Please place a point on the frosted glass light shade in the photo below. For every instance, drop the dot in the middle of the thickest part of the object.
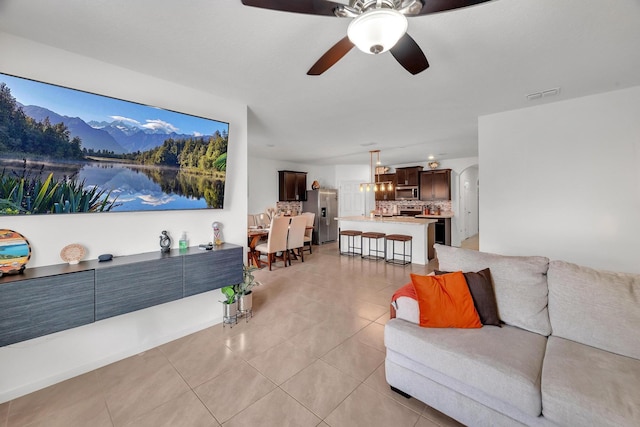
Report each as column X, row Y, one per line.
column 378, row 30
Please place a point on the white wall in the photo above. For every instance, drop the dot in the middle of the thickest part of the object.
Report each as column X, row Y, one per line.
column 263, row 180
column 563, row 180
column 30, row 365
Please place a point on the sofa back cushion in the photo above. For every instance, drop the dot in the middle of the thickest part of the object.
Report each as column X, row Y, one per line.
column 597, row 308
column 520, row 284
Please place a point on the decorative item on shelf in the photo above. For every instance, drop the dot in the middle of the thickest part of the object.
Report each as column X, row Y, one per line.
column 433, row 164
column 183, row 243
column 315, row 185
column 217, row 233
column 15, row 252
column 72, row 253
column 374, row 184
column 165, row 242
column 105, row 257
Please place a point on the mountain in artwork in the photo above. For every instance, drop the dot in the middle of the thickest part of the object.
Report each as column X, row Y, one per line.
column 134, row 137
column 92, row 138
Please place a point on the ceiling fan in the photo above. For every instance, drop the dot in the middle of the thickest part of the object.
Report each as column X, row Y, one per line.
column 377, row 26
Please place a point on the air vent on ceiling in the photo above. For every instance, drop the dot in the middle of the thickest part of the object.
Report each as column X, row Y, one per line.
column 545, row 93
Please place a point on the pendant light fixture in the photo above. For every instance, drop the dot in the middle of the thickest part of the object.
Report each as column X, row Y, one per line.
column 374, row 184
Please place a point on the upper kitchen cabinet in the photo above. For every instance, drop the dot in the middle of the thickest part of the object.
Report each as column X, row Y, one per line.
column 408, row 176
column 292, row 186
column 435, row 185
column 386, row 194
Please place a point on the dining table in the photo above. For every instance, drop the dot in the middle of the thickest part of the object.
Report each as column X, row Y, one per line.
column 254, row 235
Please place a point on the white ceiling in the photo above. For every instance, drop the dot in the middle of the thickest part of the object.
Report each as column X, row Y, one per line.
column 484, row 59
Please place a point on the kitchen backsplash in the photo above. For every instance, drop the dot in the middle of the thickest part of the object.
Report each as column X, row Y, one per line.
column 445, row 205
column 289, row 208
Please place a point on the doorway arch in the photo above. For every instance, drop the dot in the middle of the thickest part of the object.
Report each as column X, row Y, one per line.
column 468, row 198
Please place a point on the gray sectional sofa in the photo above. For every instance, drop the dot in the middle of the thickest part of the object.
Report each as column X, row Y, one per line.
column 568, row 353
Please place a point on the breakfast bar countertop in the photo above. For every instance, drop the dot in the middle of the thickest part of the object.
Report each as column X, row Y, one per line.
column 389, row 219
column 421, row 230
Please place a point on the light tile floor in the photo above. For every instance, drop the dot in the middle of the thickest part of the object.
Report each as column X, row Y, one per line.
column 312, row 355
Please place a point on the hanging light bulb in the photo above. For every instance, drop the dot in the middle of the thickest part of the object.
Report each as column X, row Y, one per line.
column 361, row 188
column 375, row 187
column 377, row 30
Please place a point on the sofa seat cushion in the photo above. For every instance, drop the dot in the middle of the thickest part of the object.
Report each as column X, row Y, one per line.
column 520, row 284
column 504, row 363
column 597, row 308
column 586, row 386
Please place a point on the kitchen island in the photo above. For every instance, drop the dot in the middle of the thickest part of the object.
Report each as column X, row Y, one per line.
column 420, row 229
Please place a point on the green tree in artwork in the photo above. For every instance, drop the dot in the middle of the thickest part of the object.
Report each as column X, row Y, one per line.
column 205, row 155
column 22, row 134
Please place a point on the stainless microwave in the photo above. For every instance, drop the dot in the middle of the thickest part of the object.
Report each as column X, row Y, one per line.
column 407, row 193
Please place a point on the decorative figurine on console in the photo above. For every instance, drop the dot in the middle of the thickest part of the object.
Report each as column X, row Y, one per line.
column 217, row 233
column 165, row 242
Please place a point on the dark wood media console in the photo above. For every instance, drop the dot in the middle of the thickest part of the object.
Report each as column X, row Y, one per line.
column 44, row 300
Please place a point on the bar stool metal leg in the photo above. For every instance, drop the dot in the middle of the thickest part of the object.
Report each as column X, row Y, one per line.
column 404, row 258
column 351, row 236
column 374, row 254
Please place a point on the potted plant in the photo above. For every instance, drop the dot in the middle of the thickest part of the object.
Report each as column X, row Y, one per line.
column 243, row 290
column 229, row 305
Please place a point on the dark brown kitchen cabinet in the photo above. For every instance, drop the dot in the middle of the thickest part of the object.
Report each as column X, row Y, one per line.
column 292, row 186
column 435, row 185
column 385, row 194
column 408, row 176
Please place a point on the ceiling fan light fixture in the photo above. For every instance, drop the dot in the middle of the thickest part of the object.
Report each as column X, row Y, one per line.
column 378, row 30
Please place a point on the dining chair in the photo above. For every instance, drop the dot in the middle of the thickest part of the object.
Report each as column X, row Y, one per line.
column 295, row 242
column 262, row 220
column 277, row 240
column 308, row 232
column 251, row 220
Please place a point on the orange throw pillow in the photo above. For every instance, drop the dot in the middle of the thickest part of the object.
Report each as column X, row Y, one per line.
column 445, row 301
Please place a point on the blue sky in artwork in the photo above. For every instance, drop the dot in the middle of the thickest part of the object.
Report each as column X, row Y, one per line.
column 88, row 107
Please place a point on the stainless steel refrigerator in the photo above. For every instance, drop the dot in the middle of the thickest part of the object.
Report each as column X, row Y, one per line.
column 324, row 203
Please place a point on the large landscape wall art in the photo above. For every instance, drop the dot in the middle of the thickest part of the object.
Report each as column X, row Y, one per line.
column 68, row 151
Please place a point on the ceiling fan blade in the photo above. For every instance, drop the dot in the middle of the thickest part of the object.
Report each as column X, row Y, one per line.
column 332, row 56
column 434, row 6
column 409, row 55
column 313, row 7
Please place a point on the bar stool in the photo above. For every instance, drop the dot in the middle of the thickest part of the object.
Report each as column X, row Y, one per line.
column 390, row 257
column 375, row 254
column 351, row 236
